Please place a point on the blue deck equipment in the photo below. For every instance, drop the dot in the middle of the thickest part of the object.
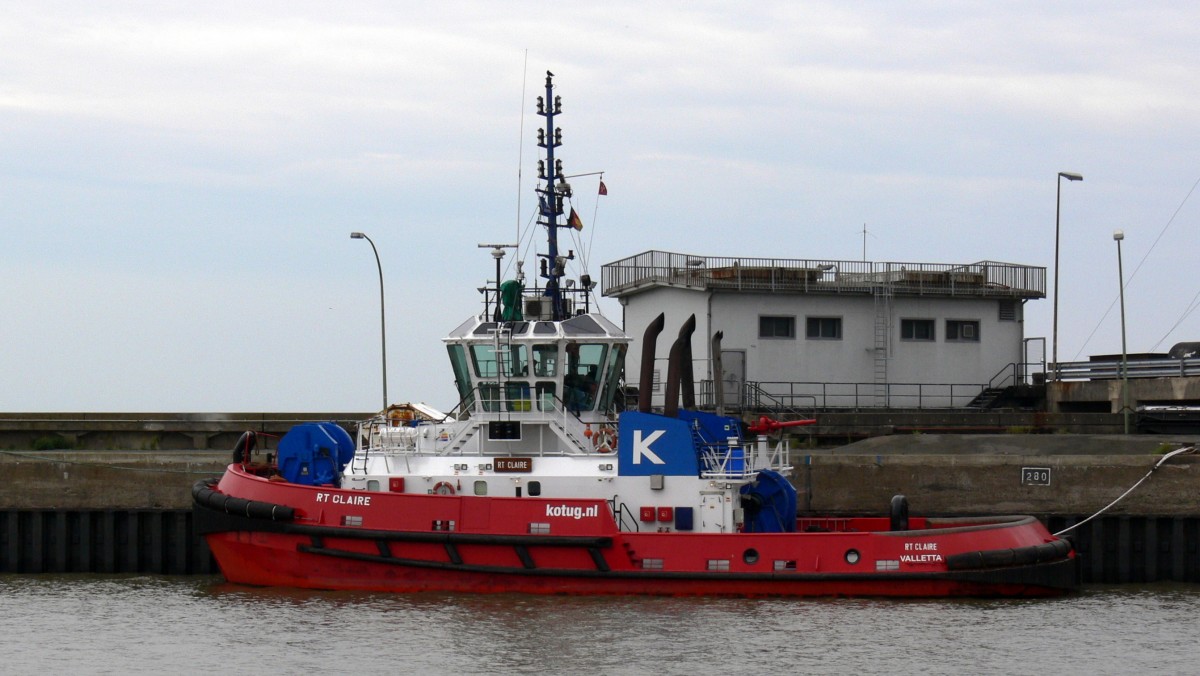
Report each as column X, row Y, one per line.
column 314, row 454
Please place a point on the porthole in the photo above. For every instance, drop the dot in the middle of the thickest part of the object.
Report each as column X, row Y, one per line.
column 852, row 556
column 750, row 556
column 535, row 488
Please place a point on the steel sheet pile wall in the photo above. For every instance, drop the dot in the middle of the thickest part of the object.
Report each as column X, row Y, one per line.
column 102, row 541
column 1135, row 549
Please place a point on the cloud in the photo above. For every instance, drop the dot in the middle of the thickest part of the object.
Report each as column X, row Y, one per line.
column 222, row 152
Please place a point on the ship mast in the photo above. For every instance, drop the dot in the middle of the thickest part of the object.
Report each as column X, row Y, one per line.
column 550, row 200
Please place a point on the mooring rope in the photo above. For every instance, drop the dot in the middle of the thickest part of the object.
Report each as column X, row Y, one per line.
column 1168, row 456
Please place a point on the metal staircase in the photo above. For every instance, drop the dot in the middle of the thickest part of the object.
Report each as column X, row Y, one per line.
column 988, row 398
column 461, row 440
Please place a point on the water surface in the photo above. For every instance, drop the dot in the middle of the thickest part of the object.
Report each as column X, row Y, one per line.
column 145, row 624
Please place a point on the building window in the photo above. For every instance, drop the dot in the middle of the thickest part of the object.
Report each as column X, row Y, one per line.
column 776, row 327
column 962, row 331
column 1008, row 310
column 916, row 329
column 824, row 328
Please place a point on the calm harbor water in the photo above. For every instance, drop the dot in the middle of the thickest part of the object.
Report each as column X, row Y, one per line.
column 145, row 624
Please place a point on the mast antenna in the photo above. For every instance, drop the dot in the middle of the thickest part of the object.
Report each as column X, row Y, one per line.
column 550, row 200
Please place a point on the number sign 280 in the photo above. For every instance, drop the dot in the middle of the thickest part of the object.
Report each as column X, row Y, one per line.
column 1035, row 476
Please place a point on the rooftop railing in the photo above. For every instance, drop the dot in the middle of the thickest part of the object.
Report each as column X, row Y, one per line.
column 773, row 275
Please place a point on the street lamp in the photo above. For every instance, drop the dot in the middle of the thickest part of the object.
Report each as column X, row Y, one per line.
column 1118, row 236
column 1070, row 176
column 382, row 316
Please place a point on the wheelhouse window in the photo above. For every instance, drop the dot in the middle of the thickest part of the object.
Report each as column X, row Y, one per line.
column 612, row 376
column 545, row 361
column 546, row 394
column 776, row 327
column 962, row 331
column 518, row 396
column 510, row 360
column 581, row 380
column 462, row 375
column 916, row 329
column 824, row 328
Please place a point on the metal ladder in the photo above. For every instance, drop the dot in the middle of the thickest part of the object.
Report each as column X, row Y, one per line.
column 883, row 323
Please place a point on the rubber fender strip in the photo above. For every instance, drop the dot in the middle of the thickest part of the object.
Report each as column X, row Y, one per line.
column 204, row 494
column 1001, row 558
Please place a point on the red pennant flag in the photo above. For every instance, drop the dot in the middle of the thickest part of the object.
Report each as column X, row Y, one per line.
column 574, row 220
column 603, row 188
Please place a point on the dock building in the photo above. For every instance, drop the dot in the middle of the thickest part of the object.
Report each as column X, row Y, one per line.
column 818, row 333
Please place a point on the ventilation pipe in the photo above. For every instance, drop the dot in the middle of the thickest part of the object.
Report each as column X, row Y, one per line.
column 687, row 383
column 646, row 384
column 680, row 350
column 718, row 373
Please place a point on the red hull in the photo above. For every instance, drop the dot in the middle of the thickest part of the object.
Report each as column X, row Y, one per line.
column 332, row 539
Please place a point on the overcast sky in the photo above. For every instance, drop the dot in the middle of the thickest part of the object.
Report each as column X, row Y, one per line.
column 178, row 181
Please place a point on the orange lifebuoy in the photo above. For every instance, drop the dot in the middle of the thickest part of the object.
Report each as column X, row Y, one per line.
column 443, row 488
column 605, row 440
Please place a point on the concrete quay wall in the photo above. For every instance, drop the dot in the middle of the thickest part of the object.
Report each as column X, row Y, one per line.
column 150, row 431
column 129, row 511
column 219, row 431
column 940, row 474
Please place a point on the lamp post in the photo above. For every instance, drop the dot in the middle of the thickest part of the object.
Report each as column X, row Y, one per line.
column 1118, row 236
column 1070, row 176
column 382, row 315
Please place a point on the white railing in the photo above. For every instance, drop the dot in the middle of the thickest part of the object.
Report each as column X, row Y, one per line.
column 378, row 435
column 740, row 462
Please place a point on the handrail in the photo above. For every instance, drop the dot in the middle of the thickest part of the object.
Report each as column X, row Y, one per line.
column 1011, row 366
column 1019, row 374
column 566, row 423
column 983, row 278
column 723, row 461
column 862, row 395
column 619, row 511
column 780, row 408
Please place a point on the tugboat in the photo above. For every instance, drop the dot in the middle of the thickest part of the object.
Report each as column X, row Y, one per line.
column 539, row 481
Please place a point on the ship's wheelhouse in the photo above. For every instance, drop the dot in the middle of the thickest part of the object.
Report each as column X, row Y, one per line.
column 516, row 367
